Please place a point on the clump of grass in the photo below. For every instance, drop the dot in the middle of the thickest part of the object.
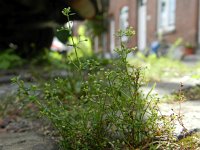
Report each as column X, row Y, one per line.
column 189, row 93
column 192, row 93
column 7, row 103
column 190, row 142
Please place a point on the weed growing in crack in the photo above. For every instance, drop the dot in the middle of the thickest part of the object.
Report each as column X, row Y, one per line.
column 98, row 107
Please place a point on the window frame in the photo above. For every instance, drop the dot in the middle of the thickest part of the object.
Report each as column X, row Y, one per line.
column 124, row 22
column 169, row 27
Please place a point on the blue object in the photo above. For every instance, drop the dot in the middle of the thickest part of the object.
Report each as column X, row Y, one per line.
column 155, row 46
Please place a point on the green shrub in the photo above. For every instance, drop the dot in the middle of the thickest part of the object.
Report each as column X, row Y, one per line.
column 9, row 60
column 82, row 43
column 196, row 71
column 98, row 107
column 159, row 68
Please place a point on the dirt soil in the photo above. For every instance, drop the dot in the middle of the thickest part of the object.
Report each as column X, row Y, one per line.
column 25, row 141
column 17, row 132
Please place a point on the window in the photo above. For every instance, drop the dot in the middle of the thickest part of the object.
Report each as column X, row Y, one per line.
column 166, row 15
column 123, row 20
column 112, row 33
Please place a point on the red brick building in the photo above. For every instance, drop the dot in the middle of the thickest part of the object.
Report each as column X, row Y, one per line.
column 172, row 19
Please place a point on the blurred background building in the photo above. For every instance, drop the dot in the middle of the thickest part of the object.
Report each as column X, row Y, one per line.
column 154, row 20
column 30, row 25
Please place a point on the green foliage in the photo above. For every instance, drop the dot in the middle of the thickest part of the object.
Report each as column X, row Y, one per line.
column 9, row 60
column 96, row 26
column 49, row 59
column 173, row 47
column 158, row 68
column 83, row 47
column 62, row 35
column 192, row 93
column 196, row 71
column 189, row 45
column 191, row 142
column 97, row 107
column 7, row 103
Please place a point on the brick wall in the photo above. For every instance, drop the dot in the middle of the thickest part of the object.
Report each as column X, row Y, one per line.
column 186, row 21
column 151, row 20
column 114, row 13
column 186, row 25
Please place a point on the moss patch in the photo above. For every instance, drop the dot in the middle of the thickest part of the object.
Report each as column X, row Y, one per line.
column 190, row 142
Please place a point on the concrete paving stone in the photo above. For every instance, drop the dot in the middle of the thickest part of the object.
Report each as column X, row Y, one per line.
column 26, row 141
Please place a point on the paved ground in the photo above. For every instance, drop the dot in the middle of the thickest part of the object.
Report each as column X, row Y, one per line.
column 190, row 110
column 25, row 141
column 20, row 134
